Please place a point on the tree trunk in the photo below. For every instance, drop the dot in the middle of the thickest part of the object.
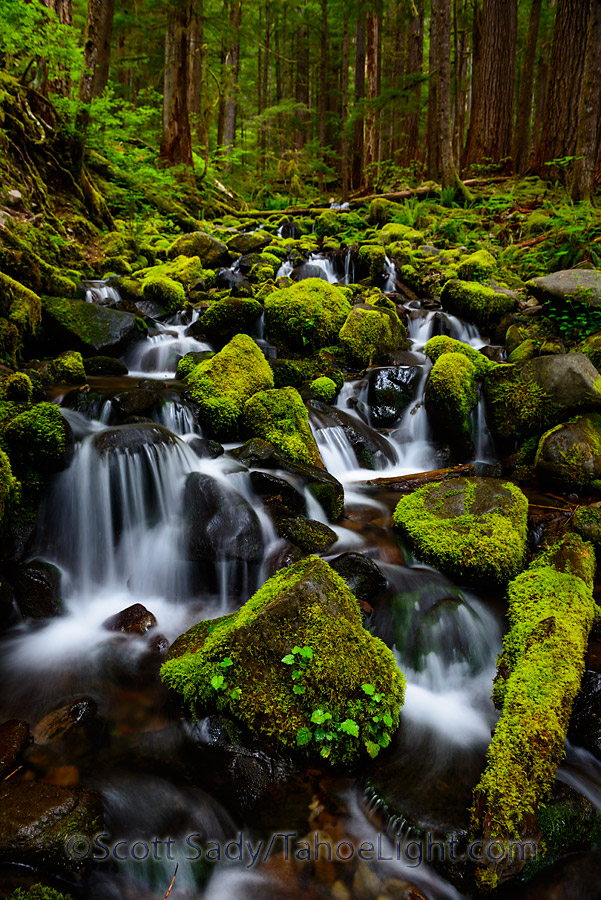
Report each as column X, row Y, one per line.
column 589, row 124
column 196, row 73
column 232, row 66
column 562, row 103
column 176, row 143
column 461, row 77
column 302, row 78
column 101, row 71
column 415, row 58
column 359, row 96
column 370, row 145
column 344, row 173
column 521, row 137
column 323, row 86
column 61, row 85
column 433, row 149
column 491, row 124
column 442, row 10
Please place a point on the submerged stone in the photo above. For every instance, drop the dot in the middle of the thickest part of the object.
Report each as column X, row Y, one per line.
column 296, row 667
column 472, row 528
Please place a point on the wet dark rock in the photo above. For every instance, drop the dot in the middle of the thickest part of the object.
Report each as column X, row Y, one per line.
column 326, row 489
column 495, row 353
column 361, row 574
column 105, row 365
column 308, row 270
column 76, row 325
column 279, row 493
column 205, row 448
column 132, row 438
column 75, row 726
column 585, row 723
column 220, row 524
column 14, row 737
column 37, row 589
column 7, row 601
column 137, row 420
column 309, row 535
column 390, row 392
column 135, row 403
column 135, row 619
column 37, row 819
column 372, row 449
column 159, row 645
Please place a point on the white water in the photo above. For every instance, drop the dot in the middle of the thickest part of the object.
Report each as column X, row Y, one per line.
column 178, row 418
column 159, row 355
column 422, row 327
column 99, row 292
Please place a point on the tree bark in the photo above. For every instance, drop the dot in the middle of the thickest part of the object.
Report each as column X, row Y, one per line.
column 61, row 85
column 323, row 85
column 370, row 145
column 433, row 149
column 196, row 62
column 442, row 10
column 302, row 78
column 491, row 123
column 232, row 66
column 359, row 96
column 562, row 103
column 176, row 143
column 589, row 124
column 105, row 35
column 415, row 59
column 344, row 173
column 521, row 137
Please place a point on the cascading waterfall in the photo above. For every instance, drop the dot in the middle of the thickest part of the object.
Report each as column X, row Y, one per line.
column 159, row 355
column 100, row 292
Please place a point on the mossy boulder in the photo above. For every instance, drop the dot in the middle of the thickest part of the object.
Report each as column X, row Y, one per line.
column 232, row 315
column 476, row 302
column 22, row 310
column 477, row 266
column 587, row 523
column 211, row 252
column 324, row 389
column 570, row 454
column 280, row 417
column 523, row 352
column 370, row 262
column 87, row 327
column 306, row 316
column 293, row 372
column 222, row 385
column 296, row 667
column 166, row 293
column 451, row 395
column 369, row 332
column 471, row 528
column 568, row 287
column 18, row 388
column 393, row 232
column 551, row 611
column 591, row 348
column 440, row 344
column 309, row 535
column 250, row 242
column 68, row 368
column 39, row 439
column 9, row 486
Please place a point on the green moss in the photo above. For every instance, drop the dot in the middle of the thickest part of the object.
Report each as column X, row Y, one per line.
column 570, row 453
column 523, row 352
column 440, row 344
column 307, row 315
column 293, row 372
column 210, row 251
column 371, row 260
column 114, row 265
column 310, row 536
column 38, row 892
column 451, row 394
column 167, row 293
column 37, row 439
column 477, row 267
column 9, row 486
column 591, row 347
column 186, row 270
column 19, row 305
column 304, row 605
column 382, row 211
column 551, row 611
column 516, row 406
column 324, row 389
column 68, row 368
column 327, row 224
column 280, row 417
column 587, row 522
column 473, row 529
column 475, row 302
column 222, row 385
column 394, row 232
column 18, row 387
column 368, row 332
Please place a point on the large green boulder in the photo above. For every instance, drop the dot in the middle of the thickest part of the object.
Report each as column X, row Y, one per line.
column 570, row 453
column 232, row 315
column 280, row 417
column 306, row 316
column 211, row 252
column 451, row 395
column 471, row 528
column 477, row 302
column 222, row 385
column 551, row 611
column 440, row 344
column 251, row 242
column 39, row 439
column 370, row 331
column 296, row 667
column 20, row 313
column 87, row 327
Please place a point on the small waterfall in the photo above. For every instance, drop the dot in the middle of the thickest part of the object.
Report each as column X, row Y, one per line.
column 159, row 355
column 349, row 267
column 100, row 292
column 178, row 417
column 336, row 451
column 285, row 269
column 326, row 265
column 582, row 771
column 484, row 446
column 390, row 277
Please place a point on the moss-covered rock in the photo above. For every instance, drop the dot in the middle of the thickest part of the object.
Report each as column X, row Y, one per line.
column 38, row 892
column 440, row 344
column 87, row 327
column 370, row 262
column 369, row 332
column 18, row 388
column 323, row 388
column 307, row 315
column 232, row 315
column 293, row 372
column 186, row 270
column 451, row 395
column 9, row 486
column 476, row 302
column 39, row 439
column 551, row 610
column 165, row 292
column 280, row 417
column 472, row 528
column 249, row 242
column 296, row 667
column 477, row 266
column 222, row 385
column 211, row 252
column 517, row 407
column 22, row 310
column 570, row 454
column 591, row 348
column 587, row 523
column 309, row 535
column 393, row 232
column 68, row 368
column 523, row 352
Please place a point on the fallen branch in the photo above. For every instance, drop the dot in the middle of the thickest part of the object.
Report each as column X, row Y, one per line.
column 408, row 483
column 172, row 882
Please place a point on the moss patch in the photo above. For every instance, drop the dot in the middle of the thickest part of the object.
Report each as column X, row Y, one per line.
column 368, row 332
column 280, row 417
column 451, row 395
column 476, row 302
column 307, row 315
column 440, row 344
column 67, row 368
column 517, row 407
column 38, row 439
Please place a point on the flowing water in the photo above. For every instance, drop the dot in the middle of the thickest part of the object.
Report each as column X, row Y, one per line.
column 117, row 523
